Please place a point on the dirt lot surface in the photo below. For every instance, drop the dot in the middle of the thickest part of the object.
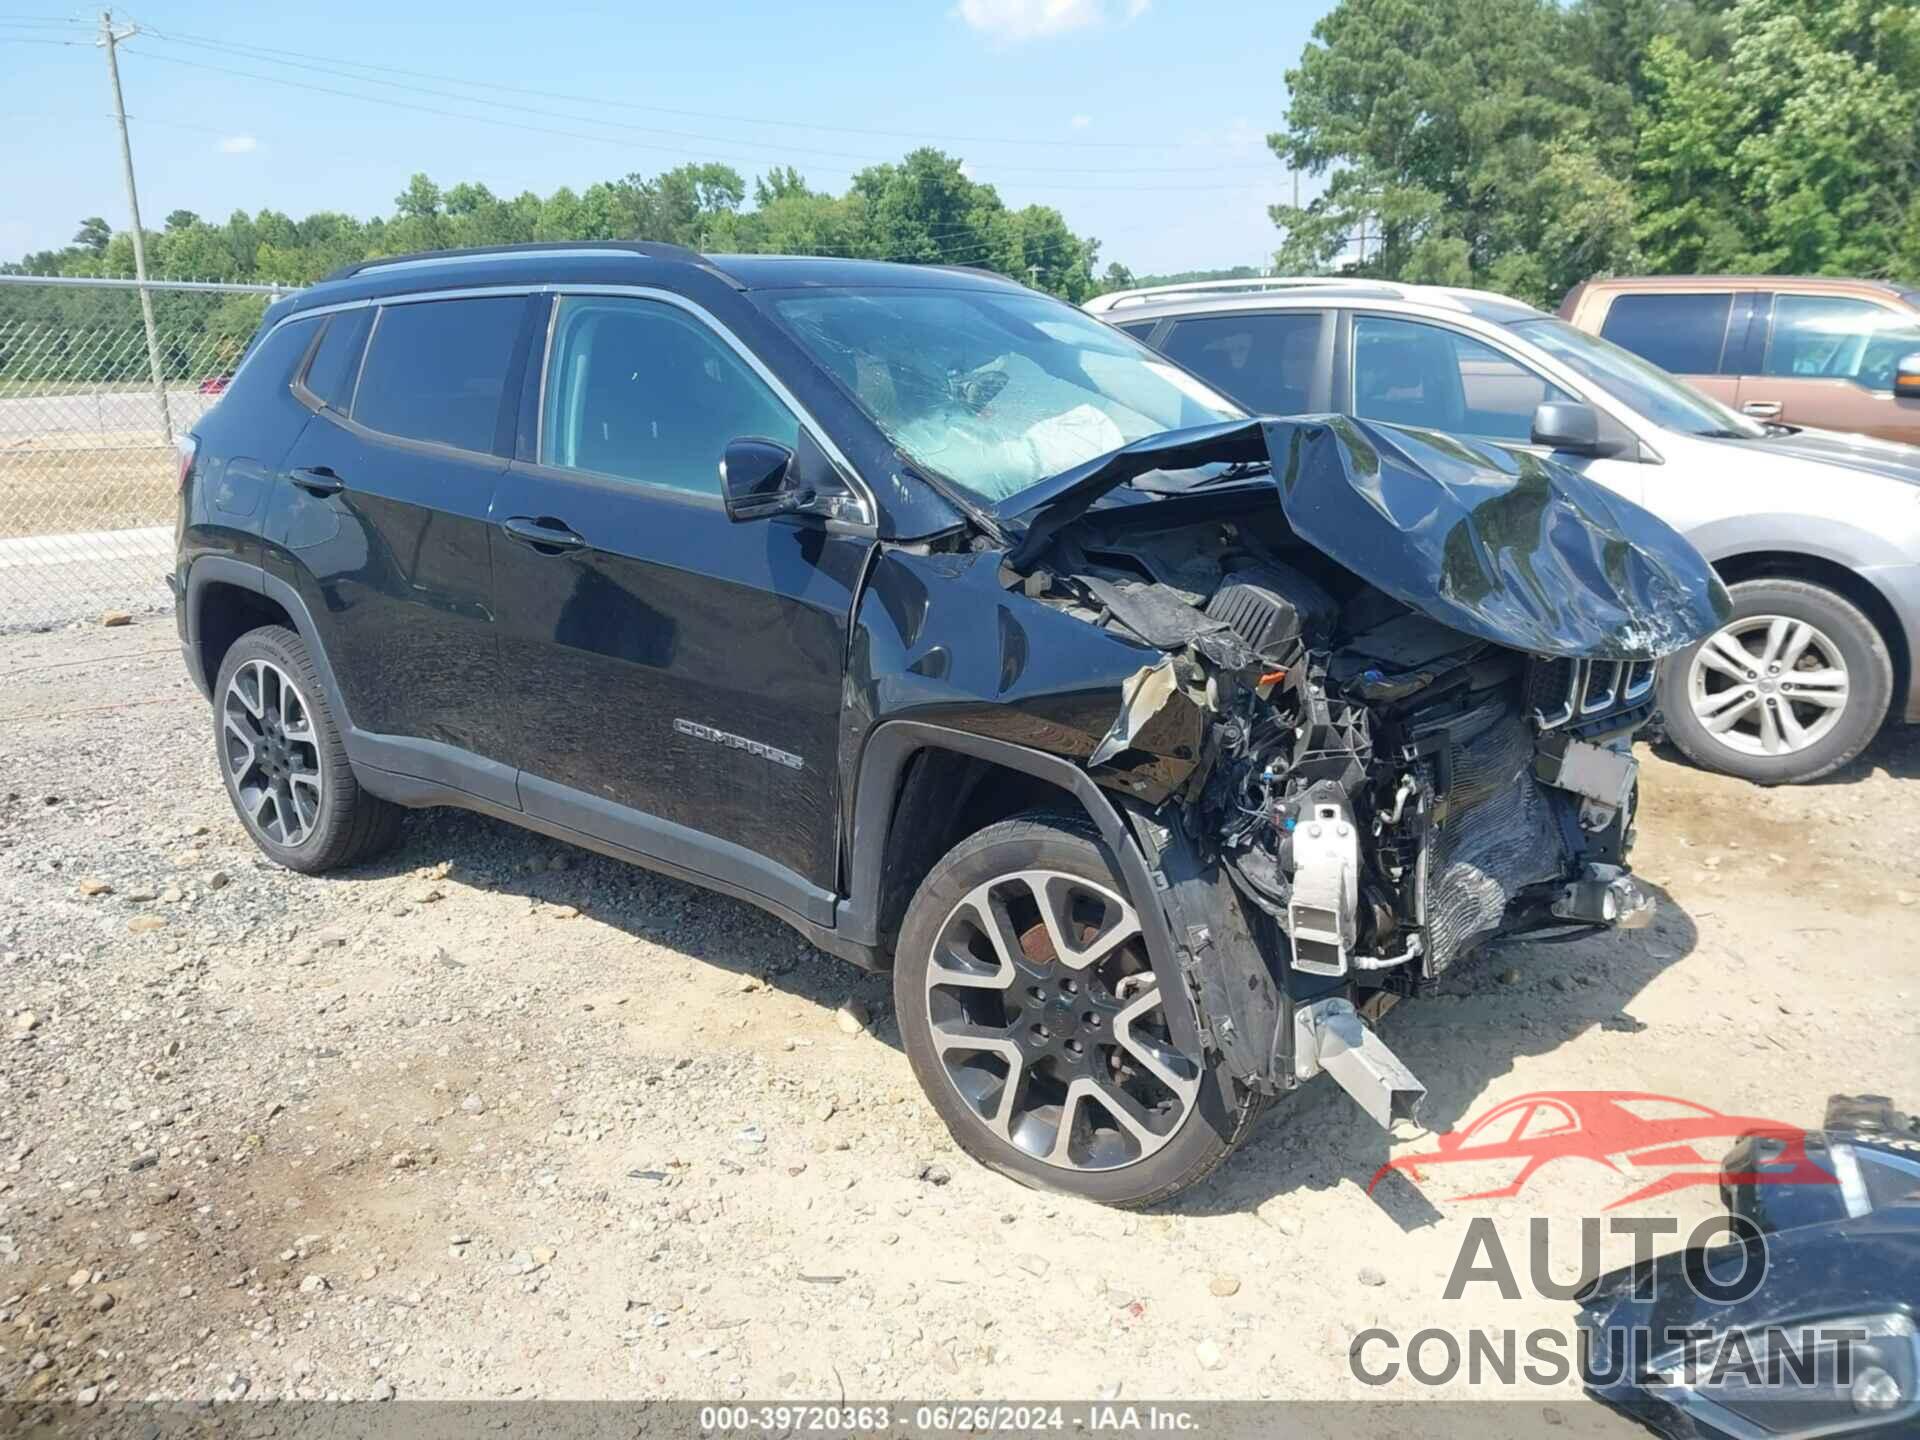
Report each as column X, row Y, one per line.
column 497, row 1118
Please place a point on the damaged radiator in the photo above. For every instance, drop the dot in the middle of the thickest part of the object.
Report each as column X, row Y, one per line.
column 1496, row 835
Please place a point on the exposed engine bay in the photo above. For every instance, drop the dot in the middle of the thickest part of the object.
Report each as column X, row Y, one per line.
column 1387, row 790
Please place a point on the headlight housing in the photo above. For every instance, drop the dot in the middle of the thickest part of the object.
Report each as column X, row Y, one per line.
column 1803, row 1379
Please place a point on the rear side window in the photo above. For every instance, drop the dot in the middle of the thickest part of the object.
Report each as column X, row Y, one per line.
column 336, row 360
column 1682, row 334
column 1266, row 362
column 436, row 370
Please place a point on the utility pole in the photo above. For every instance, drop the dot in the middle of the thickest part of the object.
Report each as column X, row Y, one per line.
column 109, row 38
column 1033, row 272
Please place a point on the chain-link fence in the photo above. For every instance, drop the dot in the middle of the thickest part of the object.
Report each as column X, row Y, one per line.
column 88, row 465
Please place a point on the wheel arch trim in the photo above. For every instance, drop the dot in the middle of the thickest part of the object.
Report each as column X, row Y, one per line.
column 883, row 762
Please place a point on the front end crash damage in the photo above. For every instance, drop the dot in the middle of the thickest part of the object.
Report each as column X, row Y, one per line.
column 1390, row 718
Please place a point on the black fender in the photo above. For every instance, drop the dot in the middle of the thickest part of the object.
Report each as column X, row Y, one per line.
column 883, row 761
column 207, row 570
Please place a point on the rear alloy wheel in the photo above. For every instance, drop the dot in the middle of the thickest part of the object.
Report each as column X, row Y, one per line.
column 1792, row 687
column 271, row 751
column 284, row 763
column 1035, row 1022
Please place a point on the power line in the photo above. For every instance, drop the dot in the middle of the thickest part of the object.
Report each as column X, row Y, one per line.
column 787, row 124
column 804, row 150
column 575, row 134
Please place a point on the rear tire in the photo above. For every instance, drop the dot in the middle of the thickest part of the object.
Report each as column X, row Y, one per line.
column 283, row 761
column 1021, row 968
column 1792, row 687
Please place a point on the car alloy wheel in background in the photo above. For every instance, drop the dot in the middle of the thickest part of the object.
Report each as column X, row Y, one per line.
column 1768, row 685
column 1792, row 686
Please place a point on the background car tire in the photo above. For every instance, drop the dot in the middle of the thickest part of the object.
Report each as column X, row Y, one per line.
column 1840, row 625
column 343, row 824
column 1216, row 1120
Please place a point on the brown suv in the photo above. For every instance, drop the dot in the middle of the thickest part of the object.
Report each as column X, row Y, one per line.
column 1804, row 350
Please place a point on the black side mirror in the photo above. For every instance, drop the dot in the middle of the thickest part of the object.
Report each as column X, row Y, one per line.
column 1906, row 377
column 757, row 480
column 1567, row 425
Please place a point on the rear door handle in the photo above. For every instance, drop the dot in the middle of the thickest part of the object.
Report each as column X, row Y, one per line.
column 546, row 535
column 1761, row 409
column 319, row 480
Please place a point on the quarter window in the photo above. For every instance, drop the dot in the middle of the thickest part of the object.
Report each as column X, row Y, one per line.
column 436, row 370
column 1681, row 333
column 1266, row 362
column 1823, row 337
column 643, row 391
column 336, row 360
column 1405, row 373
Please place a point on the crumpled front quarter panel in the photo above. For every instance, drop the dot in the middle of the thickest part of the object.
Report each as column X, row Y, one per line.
column 1495, row 543
column 938, row 639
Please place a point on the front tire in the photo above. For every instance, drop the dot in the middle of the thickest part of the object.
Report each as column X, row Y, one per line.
column 1034, row 1022
column 283, row 761
column 1791, row 688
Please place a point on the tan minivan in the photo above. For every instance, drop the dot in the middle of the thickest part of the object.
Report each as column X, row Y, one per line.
column 1803, row 350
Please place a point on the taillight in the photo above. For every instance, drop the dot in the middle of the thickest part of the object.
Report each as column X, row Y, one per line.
column 188, row 448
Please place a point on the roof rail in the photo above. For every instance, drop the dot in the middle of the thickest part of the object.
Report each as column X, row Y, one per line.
column 650, row 249
column 1252, row 285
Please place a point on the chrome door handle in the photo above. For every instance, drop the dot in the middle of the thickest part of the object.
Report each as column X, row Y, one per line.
column 318, row 480
column 1761, row 409
column 548, row 536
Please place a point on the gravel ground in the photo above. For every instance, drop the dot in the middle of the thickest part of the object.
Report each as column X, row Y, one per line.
column 498, row 1118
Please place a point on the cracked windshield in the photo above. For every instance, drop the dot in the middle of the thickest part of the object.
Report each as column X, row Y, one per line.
column 991, row 391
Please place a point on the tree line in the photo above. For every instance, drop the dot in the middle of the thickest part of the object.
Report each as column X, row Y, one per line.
column 1525, row 145
column 923, row 209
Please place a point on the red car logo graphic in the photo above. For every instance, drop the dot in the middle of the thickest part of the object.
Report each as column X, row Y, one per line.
column 1624, row 1130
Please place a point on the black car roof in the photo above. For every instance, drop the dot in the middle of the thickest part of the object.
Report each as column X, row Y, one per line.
column 625, row 262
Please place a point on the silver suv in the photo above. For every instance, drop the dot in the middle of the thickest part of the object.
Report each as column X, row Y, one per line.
column 1817, row 534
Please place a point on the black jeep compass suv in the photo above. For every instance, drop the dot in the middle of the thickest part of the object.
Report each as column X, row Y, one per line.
column 1156, row 749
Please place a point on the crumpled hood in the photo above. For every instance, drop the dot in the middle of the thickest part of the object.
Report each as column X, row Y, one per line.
column 1496, row 543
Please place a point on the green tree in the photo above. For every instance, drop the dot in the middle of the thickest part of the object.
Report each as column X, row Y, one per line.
column 1453, row 133
column 1796, row 150
column 93, row 234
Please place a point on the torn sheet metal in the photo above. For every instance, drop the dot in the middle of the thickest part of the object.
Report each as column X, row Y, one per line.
column 1492, row 541
column 1156, row 716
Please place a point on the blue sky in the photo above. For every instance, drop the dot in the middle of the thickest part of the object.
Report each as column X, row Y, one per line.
column 1143, row 121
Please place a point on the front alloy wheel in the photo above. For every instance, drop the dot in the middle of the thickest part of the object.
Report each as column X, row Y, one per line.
column 1049, row 1022
column 1030, row 1010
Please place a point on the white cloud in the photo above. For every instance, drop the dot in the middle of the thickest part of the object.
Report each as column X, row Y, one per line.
column 239, row 145
column 1081, row 122
column 1031, row 19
